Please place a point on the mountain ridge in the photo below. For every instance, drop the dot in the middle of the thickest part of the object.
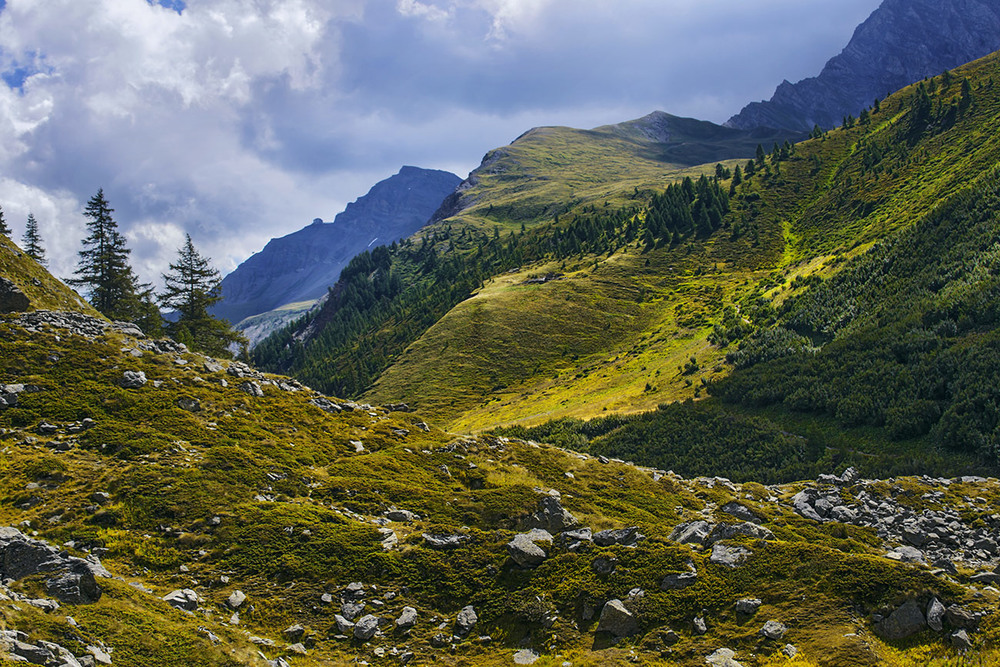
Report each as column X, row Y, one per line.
column 903, row 41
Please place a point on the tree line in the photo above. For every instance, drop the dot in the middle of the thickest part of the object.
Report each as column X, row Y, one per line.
column 111, row 286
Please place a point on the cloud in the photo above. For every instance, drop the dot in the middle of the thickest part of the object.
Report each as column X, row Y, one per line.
column 239, row 121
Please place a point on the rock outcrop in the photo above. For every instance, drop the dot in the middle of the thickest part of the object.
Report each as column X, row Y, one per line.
column 901, row 42
column 68, row 578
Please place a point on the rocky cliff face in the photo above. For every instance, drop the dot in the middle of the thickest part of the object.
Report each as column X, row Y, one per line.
column 300, row 266
column 901, row 42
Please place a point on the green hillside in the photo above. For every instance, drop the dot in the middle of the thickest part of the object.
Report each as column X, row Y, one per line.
column 42, row 290
column 209, row 477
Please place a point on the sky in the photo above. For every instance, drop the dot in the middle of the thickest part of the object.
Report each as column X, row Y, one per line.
column 241, row 120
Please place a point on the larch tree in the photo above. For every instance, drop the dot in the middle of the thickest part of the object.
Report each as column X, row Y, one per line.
column 31, row 242
column 191, row 287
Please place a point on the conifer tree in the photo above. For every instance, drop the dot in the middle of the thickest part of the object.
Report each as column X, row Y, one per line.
column 103, row 270
column 4, row 229
column 31, row 242
column 191, row 288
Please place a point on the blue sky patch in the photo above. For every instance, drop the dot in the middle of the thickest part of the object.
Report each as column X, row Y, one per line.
column 176, row 5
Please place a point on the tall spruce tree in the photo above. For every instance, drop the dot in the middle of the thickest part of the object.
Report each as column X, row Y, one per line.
column 31, row 242
column 191, row 287
column 4, row 229
column 103, row 270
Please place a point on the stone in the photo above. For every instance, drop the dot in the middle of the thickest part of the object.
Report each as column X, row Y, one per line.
column 773, row 630
column 184, row 599
column 604, row 565
column 294, row 633
column 960, row 640
column 189, row 404
column 101, row 497
column 440, row 640
column 624, row 536
column 466, row 620
column 904, row 621
column 12, row 299
column 298, row 649
column 729, row 556
column 960, row 617
column 741, row 512
column 985, row 578
column 699, row 625
column 674, row 582
column 551, row 516
column 401, row 515
column 351, row 610
column 132, row 379
column 344, row 626
column 252, row 388
column 366, row 628
column 236, row 599
column 800, row 502
column 692, row 532
column 723, row 657
column 70, row 579
column 935, row 615
column 444, row 541
column 617, row 620
column 37, row 655
column 748, row 606
column 407, row 619
column 789, row 651
column 525, row 656
column 524, row 552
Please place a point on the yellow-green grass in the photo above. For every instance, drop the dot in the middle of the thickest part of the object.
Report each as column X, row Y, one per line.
column 44, row 291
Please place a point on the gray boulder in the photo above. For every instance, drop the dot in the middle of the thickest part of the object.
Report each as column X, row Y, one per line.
column 801, row 503
column 692, row 532
column 132, row 379
column 524, row 552
column 525, row 656
column 551, row 516
column 182, row 598
column 960, row 617
column 344, row 626
column 72, row 580
column 741, row 512
column 604, row 565
column 366, row 628
column 935, row 615
column 466, row 620
column 294, row 633
column 905, row 620
column 773, row 630
column 12, row 299
column 351, row 610
column 748, row 606
column 617, row 620
column 729, row 556
column 236, row 599
column 444, row 541
column 252, row 388
column 960, row 640
column 673, row 582
column 724, row 657
column 405, row 516
column 625, row 536
column 188, row 404
column 407, row 619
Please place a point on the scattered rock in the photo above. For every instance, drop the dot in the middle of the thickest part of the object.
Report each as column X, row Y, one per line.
column 693, row 532
column 604, row 565
column 184, row 599
column 524, row 552
column 617, row 620
column 466, row 620
column 960, row 640
column 132, row 379
column 935, row 615
column 551, row 516
column 525, row 656
column 904, row 621
column 407, row 619
column 12, row 299
column 724, row 657
column 740, row 511
column 627, row 537
column 729, row 556
column 189, row 404
column 444, row 541
column 773, row 630
column 748, row 606
column 405, row 516
column 351, row 610
column 366, row 628
column 789, row 651
column 960, row 617
column 294, row 633
column 727, row 531
column 72, row 580
column 252, row 388
column 700, row 627
column 344, row 626
column 673, row 582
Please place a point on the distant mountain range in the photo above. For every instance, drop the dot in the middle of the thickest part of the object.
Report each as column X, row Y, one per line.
column 300, row 266
column 901, row 42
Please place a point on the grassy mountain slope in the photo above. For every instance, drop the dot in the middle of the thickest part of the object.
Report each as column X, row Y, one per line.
column 792, row 223
column 43, row 291
column 216, row 489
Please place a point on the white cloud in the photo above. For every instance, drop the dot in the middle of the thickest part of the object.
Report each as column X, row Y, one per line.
column 239, row 121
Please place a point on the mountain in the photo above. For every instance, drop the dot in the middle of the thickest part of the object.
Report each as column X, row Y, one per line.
column 300, row 266
column 903, row 41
